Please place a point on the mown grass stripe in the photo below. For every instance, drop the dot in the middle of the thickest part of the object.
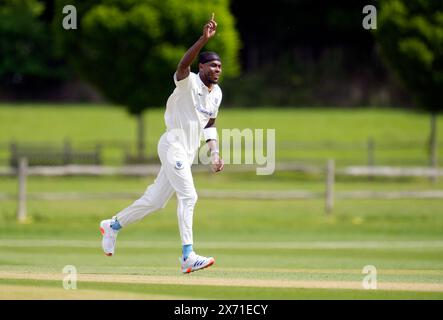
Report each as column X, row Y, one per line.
column 435, row 244
column 259, row 283
column 189, row 280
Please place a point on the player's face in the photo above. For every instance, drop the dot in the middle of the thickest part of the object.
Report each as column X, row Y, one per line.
column 212, row 71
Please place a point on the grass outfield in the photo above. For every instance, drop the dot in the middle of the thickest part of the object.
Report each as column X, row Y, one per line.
column 102, row 122
column 239, row 273
column 286, row 249
column 264, row 249
column 349, row 129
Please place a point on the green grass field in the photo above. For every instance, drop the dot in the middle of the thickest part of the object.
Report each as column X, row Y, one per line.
column 264, row 249
column 308, row 135
column 289, row 249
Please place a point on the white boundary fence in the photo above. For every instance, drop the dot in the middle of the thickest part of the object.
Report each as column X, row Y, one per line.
column 329, row 195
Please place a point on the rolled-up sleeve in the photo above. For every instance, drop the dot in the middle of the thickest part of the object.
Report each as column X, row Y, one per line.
column 183, row 83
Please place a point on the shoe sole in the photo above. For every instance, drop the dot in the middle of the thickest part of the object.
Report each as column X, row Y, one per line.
column 102, row 231
column 189, row 270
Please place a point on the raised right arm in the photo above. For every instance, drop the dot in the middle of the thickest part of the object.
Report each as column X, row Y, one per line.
column 184, row 66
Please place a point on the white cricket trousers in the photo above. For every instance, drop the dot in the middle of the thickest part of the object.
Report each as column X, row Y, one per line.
column 174, row 176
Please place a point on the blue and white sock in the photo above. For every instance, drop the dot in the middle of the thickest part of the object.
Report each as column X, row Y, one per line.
column 187, row 249
column 115, row 225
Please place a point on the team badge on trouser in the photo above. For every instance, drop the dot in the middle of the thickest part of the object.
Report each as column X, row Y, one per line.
column 178, row 165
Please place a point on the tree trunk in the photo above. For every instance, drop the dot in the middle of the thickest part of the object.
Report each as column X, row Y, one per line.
column 433, row 145
column 140, row 137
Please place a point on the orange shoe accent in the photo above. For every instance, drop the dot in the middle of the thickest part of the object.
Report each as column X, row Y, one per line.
column 189, row 270
column 102, row 231
column 210, row 264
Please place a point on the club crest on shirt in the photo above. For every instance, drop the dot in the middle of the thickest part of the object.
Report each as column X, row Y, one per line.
column 178, row 165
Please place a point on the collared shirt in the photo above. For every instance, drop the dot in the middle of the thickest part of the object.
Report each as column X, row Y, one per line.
column 189, row 109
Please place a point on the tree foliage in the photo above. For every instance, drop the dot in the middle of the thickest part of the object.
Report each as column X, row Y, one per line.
column 26, row 51
column 129, row 49
column 410, row 35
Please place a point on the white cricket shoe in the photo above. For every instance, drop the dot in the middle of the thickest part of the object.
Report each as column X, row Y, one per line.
column 195, row 262
column 109, row 237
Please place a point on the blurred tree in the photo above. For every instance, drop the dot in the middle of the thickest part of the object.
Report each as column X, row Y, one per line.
column 26, row 52
column 309, row 53
column 129, row 49
column 410, row 35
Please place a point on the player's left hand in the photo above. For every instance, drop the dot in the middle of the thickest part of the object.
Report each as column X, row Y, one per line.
column 217, row 162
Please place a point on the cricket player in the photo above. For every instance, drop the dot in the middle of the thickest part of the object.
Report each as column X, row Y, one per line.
column 191, row 111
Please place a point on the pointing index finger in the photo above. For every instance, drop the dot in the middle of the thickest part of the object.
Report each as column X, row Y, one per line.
column 212, row 18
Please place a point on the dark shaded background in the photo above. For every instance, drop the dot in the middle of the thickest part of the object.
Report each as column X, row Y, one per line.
column 294, row 53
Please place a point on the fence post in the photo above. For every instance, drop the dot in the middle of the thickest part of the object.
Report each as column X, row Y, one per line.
column 67, row 152
column 434, row 173
column 13, row 160
column 371, row 152
column 22, row 174
column 330, row 180
column 97, row 155
column 433, row 149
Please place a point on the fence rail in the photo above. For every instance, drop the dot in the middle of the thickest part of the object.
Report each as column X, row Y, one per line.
column 384, row 171
column 366, row 152
column 235, row 194
column 141, row 170
column 23, row 171
column 152, row 169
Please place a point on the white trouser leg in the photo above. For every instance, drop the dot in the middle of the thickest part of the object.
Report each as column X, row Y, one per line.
column 177, row 168
column 155, row 197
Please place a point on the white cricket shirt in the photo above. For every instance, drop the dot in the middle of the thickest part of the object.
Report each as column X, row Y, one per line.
column 189, row 109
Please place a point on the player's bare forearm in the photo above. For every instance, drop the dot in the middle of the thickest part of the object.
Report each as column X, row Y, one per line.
column 184, row 66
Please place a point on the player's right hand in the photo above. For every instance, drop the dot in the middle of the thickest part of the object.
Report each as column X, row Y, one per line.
column 210, row 28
